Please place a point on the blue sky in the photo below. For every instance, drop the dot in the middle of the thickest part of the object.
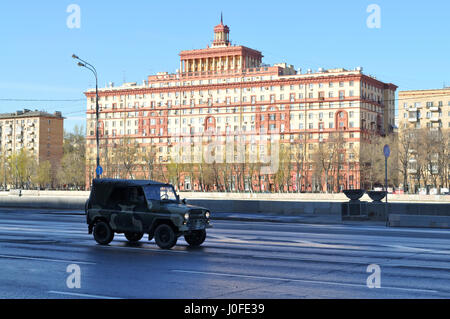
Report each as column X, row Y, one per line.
column 132, row 39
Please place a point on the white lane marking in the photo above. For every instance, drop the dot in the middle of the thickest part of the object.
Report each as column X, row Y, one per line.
column 366, row 246
column 292, row 243
column 48, row 259
column 348, row 227
column 418, row 249
column 42, row 230
column 300, row 280
column 81, row 295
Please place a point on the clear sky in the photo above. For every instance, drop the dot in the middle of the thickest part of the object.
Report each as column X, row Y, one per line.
column 128, row 40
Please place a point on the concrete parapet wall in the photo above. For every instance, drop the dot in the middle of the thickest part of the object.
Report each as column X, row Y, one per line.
column 399, row 220
column 327, row 211
column 53, row 202
column 311, row 197
column 269, row 207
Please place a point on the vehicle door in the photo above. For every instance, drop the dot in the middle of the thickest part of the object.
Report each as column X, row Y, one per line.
column 122, row 208
column 141, row 217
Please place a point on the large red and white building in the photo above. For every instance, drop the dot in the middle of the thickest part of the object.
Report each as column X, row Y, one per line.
column 225, row 93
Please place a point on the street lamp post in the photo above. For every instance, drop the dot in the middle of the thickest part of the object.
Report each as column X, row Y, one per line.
column 90, row 67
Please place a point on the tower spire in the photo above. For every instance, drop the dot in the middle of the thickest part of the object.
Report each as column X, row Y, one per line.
column 221, row 17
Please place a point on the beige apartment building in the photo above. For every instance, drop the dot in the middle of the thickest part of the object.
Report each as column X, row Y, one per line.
column 424, row 109
column 40, row 133
column 225, row 92
column 425, row 115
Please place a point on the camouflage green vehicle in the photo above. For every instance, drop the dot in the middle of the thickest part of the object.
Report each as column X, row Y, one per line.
column 138, row 207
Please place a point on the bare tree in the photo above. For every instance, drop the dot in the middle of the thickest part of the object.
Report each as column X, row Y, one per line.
column 149, row 161
column 405, row 148
column 126, row 155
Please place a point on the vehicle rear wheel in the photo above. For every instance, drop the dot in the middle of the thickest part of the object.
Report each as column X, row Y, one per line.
column 196, row 237
column 134, row 237
column 165, row 236
column 103, row 234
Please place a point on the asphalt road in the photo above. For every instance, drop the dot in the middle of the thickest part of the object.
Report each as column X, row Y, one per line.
column 238, row 260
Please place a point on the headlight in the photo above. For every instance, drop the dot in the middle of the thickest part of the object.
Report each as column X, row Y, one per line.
column 186, row 216
column 207, row 214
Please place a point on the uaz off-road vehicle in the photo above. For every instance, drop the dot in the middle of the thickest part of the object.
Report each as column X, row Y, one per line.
column 138, row 207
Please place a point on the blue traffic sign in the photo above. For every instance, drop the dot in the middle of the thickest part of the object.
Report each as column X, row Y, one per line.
column 99, row 170
column 386, row 151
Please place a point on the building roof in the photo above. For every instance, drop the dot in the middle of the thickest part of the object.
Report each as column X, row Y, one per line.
column 29, row 113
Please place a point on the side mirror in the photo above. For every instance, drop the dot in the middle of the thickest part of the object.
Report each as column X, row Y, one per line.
column 184, row 201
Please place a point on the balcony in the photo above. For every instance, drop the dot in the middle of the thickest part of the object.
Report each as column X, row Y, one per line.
column 434, row 119
column 412, row 171
column 412, row 119
column 434, row 108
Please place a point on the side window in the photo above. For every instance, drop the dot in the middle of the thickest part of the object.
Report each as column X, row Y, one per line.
column 127, row 196
column 118, row 196
column 136, row 197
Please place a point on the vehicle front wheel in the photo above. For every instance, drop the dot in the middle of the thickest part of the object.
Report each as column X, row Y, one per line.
column 195, row 238
column 134, row 237
column 103, row 234
column 165, row 236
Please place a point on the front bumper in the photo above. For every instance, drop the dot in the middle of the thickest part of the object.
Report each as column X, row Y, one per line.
column 196, row 224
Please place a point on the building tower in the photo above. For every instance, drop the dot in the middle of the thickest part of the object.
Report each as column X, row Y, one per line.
column 221, row 35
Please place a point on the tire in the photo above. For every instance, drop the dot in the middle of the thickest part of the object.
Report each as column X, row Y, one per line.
column 134, row 237
column 103, row 234
column 165, row 236
column 195, row 238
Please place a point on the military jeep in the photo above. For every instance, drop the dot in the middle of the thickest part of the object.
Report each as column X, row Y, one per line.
column 138, row 207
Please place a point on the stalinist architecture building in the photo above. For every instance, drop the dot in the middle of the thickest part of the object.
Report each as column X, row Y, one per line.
column 227, row 121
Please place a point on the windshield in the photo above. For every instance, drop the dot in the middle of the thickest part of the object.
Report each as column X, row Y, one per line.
column 164, row 193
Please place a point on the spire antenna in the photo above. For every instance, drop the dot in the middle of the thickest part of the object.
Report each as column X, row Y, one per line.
column 221, row 17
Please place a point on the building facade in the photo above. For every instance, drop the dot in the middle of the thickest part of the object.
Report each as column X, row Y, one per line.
column 424, row 109
column 224, row 94
column 39, row 133
column 424, row 126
